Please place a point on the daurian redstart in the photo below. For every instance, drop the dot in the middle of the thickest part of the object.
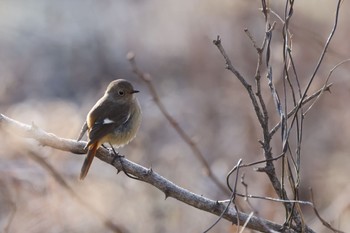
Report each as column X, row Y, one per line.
column 114, row 119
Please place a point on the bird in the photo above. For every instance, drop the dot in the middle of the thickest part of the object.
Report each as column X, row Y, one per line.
column 114, row 119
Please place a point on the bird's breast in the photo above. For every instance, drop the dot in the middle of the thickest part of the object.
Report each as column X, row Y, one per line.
column 127, row 131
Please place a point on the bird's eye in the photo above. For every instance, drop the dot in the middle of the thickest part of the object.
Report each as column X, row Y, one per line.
column 121, row 92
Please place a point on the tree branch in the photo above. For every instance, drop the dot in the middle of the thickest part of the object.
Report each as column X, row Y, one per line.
column 144, row 174
column 246, row 85
column 184, row 136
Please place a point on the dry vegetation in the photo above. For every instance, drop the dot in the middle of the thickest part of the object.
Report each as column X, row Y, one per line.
column 57, row 58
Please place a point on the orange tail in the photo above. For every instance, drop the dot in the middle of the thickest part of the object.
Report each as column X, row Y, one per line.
column 88, row 160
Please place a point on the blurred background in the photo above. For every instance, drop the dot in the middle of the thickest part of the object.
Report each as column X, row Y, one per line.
column 57, row 57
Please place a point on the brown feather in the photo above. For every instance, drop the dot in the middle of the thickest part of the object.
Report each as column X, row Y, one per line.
column 88, row 160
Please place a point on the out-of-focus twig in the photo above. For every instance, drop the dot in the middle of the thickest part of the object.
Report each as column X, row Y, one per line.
column 324, row 222
column 108, row 223
column 11, row 217
column 146, row 78
column 326, row 83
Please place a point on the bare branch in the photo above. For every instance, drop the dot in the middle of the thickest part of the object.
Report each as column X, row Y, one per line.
column 326, row 83
column 144, row 174
column 246, row 85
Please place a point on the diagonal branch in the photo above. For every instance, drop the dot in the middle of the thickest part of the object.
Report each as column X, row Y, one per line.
column 147, row 79
column 144, row 174
column 324, row 222
column 108, row 223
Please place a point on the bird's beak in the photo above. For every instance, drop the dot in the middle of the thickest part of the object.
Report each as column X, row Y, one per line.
column 134, row 91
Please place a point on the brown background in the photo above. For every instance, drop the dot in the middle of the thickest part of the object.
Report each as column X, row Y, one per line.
column 57, row 57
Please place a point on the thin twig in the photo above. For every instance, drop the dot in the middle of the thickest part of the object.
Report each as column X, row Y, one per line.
column 246, row 198
column 291, row 213
column 320, row 59
column 270, row 199
column 260, row 51
column 326, row 83
column 245, row 224
column 245, row 185
column 232, row 198
column 306, row 100
column 324, row 222
column 286, row 131
column 245, row 84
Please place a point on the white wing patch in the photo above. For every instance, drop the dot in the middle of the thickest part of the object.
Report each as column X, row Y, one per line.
column 107, row 121
column 127, row 118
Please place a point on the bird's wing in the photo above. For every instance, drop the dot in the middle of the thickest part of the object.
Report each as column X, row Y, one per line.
column 82, row 131
column 105, row 117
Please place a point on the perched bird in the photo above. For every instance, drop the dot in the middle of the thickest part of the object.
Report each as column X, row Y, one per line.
column 114, row 119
